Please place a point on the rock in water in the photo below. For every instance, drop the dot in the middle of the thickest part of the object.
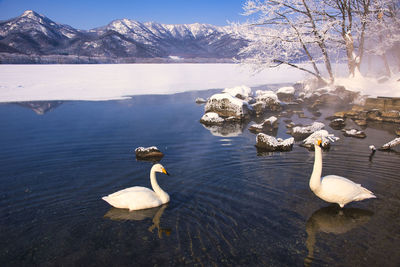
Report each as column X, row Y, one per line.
column 148, row 153
column 354, row 133
column 391, row 144
column 337, row 123
column 300, row 133
column 270, row 143
column 266, row 126
column 226, row 105
column 200, row 100
column 286, row 94
column 211, row 118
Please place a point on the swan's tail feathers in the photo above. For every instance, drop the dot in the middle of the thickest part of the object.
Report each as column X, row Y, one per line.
column 107, row 199
column 365, row 195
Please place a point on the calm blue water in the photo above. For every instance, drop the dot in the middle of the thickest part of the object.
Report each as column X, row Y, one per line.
column 229, row 204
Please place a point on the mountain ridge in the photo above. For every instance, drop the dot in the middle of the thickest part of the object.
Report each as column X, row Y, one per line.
column 34, row 37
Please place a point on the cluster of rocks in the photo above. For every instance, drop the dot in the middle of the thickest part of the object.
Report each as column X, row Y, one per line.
column 361, row 116
column 231, row 110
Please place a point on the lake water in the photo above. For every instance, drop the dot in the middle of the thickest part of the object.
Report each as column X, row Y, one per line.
column 230, row 205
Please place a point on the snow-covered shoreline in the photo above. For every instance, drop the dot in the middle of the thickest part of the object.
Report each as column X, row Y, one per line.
column 119, row 81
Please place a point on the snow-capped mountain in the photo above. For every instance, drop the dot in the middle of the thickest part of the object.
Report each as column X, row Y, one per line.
column 32, row 34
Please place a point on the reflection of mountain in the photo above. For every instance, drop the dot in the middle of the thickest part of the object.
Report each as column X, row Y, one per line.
column 333, row 220
column 226, row 129
column 139, row 215
column 41, row 107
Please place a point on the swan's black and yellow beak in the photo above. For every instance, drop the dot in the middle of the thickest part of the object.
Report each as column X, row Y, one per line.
column 319, row 142
column 165, row 171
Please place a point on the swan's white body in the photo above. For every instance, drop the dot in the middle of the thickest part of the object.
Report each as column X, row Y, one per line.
column 138, row 197
column 333, row 188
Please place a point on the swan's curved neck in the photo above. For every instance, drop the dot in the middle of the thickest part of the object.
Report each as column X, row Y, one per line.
column 315, row 179
column 157, row 189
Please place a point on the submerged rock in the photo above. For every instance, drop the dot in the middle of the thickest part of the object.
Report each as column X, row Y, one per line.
column 148, row 153
column 299, row 132
column 226, row 106
column 270, row 143
column 267, row 125
column 354, row 133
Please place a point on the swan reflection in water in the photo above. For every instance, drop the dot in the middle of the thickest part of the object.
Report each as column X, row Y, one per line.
column 333, row 220
column 139, row 215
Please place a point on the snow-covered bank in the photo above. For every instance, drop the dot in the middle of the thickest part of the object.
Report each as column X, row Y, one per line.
column 371, row 86
column 107, row 82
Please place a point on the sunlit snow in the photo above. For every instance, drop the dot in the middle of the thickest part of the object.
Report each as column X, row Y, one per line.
column 108, row 82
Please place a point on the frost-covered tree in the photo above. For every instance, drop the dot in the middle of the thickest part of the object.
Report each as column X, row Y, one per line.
column 292, row 31
column 383, row 33
column 287, row 32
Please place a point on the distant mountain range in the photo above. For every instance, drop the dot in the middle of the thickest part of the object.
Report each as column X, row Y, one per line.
column 34, row 38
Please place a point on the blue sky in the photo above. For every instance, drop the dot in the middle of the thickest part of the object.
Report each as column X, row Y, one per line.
column 89, row 14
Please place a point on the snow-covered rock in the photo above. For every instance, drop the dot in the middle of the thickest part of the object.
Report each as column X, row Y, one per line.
column 286, row 94
column 391, row 144
column 201, row 100
column 324, row 135
column 300, row 132
column 266, row 101
column 354, row 133
column 148, row 153
column 338, row 123
column 270, row 143
column 267, row 125
column 211, row 118
column 226, row 105
column 242, row 92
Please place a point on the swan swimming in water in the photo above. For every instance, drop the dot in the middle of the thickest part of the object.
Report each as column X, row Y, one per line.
column 333, row 188
column 138, row 197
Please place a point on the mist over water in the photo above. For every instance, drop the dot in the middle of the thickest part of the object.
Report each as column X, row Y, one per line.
column 229, row 204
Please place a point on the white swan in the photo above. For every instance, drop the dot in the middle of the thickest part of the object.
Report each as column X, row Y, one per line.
column 333, row 188
column 138, row 197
